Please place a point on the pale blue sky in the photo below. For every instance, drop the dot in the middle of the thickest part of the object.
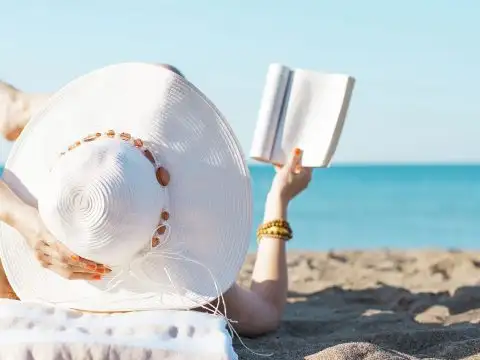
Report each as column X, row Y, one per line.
column 417, row 63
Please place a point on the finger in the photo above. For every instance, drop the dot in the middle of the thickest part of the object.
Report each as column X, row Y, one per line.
column 295, row 161
column 73, row 275
column 48, row 261
column 60, row 254
column 56, row 249
column 307, row 172
column 64, row 253
column 277, row 166
column 78, row 267
column 91, row 266
column 43, row 259
column 64, row 268
column 87, row 266
column 68, row 257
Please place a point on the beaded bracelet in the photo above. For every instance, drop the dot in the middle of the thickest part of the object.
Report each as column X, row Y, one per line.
column 279, row 223
column 278, row 229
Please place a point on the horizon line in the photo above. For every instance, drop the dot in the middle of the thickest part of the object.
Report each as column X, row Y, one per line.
column 386, row 163
column 373, row 164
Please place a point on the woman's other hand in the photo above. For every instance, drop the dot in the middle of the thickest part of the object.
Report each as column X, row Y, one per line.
column 54, row 255
column 291, row 179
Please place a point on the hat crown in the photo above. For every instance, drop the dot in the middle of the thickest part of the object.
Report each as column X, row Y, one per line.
column 103, row 201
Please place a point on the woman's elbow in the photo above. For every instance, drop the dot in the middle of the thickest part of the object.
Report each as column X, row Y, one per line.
column 272, row 325
column 260, row 330
column 260, row 325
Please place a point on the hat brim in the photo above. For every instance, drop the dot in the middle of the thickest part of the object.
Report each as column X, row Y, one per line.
column 209, row 191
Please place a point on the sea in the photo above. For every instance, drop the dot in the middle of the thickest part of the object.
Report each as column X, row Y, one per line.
column 380, row 206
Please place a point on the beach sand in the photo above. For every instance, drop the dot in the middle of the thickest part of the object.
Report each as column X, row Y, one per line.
column 373, row 305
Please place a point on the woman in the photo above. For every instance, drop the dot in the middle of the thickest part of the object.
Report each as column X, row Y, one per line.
column 256, row 310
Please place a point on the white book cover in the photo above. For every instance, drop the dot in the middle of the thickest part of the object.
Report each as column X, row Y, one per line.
column 301, row 109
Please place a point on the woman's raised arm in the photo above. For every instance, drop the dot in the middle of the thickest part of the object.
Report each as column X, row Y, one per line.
column 259, row 309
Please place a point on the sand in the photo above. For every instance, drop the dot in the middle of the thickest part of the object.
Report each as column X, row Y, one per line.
column 377, row 305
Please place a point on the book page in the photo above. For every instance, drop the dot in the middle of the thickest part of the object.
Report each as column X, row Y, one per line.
column 315, row 113
column 341, row 121
column 269, row 113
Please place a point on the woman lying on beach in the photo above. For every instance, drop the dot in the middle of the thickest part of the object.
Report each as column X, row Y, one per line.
column 256, row 310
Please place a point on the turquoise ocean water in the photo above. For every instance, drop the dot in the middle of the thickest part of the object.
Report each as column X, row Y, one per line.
column 361, row 207
column 384, row 206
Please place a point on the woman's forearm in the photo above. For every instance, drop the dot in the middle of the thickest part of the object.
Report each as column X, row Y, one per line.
column 270, row 278
column 11, row 206
column 259, row 309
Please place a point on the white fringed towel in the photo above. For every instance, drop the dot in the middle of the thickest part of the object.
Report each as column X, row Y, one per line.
column 37, row 332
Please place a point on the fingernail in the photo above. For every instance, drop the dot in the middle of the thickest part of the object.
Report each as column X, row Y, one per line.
column 91, row 267
column 103, row 270
column 96, row 277
column 75, row 258
column 298, row 151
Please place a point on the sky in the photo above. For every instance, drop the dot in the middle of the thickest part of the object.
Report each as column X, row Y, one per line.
column 416, row 63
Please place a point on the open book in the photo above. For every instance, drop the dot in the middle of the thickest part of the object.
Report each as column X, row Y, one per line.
column 304, row 109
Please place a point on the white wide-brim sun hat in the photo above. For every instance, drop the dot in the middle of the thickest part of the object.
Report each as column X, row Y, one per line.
column 89, row 160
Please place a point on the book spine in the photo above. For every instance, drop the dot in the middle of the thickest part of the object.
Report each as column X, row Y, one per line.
column 271, row 108
column 278, row 155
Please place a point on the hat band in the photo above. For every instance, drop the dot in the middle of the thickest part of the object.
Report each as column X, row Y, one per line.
column 161, row 173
